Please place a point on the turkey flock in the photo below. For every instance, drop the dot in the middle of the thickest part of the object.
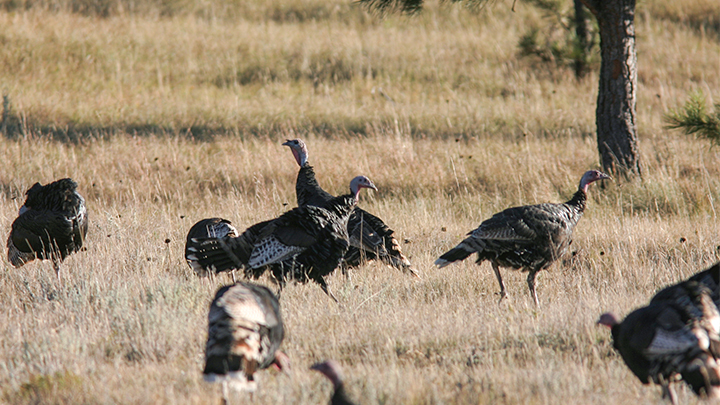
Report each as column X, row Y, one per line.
column 676, row 336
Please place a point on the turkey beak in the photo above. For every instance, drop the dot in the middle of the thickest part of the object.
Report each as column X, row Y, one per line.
column 286, row 143
column 370, row 184
column 604, row 176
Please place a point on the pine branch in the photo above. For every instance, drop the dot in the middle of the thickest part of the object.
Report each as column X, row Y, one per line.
column 693, row 118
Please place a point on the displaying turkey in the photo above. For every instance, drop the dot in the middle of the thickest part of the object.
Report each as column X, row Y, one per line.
column 305, row 243
column 370, row 237
column 51, row 224
column 245, row 330
column 208, row 228
column 530, row 237
column 331, row 370
column 670, row 338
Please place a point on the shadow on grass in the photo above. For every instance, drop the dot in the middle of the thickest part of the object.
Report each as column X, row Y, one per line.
column 15, row 129
column 75, row 134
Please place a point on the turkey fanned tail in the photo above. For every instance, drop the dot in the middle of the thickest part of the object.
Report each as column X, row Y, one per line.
column 372, row 239
column 206, row 228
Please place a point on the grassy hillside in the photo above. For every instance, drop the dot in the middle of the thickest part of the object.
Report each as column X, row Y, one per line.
column 176, row 111
column 319, row 66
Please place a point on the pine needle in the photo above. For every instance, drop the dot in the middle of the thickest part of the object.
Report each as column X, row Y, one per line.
column 693, row 118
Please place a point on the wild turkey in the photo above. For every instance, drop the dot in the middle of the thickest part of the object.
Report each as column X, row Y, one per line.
column 245, row 330
column 672, row 337
column 331, row 370
column 530, row 237
column 305, row 243
column 370, row 237
column 208, row 228
column 710, row 278
column 51, row 224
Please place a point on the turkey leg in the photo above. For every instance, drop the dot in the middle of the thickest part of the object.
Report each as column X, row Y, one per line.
column 502, row 293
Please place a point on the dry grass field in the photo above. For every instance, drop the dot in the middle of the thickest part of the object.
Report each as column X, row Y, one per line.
column 169, row 112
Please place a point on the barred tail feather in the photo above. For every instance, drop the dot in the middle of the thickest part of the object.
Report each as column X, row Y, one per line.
column 459, row 252
column 396, row 258
column 212, row 254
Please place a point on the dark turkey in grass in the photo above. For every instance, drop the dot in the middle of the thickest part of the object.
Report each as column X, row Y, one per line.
column 305, row 243
column 675, row 337
column 245, row 330
column 370, row 237
column 529, row 238
column 51, row 224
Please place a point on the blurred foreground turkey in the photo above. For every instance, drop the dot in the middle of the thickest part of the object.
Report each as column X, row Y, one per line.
column 675, row 337
column 245, row 330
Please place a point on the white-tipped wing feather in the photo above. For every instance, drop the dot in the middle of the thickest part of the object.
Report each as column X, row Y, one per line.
column 271, row 250
column 668, row 342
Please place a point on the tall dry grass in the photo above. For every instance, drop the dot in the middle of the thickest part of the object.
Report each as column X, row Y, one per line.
column 472, row 130
column 128, row 322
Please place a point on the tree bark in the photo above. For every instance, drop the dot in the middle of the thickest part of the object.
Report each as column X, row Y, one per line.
column 583, row 42
column 615, row 113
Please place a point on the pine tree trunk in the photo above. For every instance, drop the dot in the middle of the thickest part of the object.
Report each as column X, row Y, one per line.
column 615, row 114
column 583, row 42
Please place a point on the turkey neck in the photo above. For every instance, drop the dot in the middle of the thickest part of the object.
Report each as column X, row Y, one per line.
column 308, row 190
column 340, row 397
column 579, row 200
column 615, row 332
column 342, row 205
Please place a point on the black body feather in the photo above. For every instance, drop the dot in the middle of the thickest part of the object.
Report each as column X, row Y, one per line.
column 52, row 224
